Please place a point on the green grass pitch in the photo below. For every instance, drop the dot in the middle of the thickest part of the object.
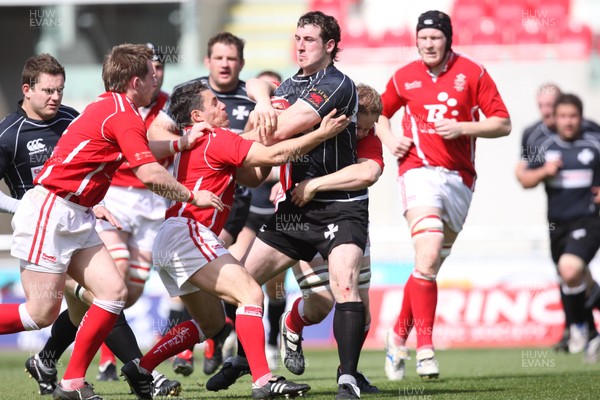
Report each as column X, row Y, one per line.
column 465, row 374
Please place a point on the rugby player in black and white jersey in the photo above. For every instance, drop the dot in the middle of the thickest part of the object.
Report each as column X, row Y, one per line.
column 29, row 134
column 224, row 61
column 568, row 164
column 533, row 135
column 334, row 223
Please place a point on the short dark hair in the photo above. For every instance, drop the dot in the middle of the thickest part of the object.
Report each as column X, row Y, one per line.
column 271, row 74
column 330, row 29
column 40, row 64
column 226, row 38
column 369, row 101
column 186, row 98
column 568, row 98
column 124, row 62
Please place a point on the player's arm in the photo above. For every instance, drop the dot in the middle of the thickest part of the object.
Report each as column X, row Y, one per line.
column 492, row 127
column 398, row 146
column 7, row 203
column 163, row 128
column 531, row 177
column 273, row 127
column 280, row 153
column 357, row 176
column 165, row 148
column 160, row 181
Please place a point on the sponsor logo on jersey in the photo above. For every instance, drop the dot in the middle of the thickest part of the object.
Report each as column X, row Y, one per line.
column 143, row 155
column 437, row 112
column 36, row 170
column 412, row 85
column 460, row 82
column 585, row 156
column 36, row 146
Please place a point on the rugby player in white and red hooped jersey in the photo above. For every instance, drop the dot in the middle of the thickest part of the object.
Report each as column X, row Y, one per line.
column 54, row 224
column 193, row 262
column 442, row 94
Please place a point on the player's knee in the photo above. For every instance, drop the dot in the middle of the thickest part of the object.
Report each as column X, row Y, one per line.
column 427, row 225
column 138, row 273
column 40, row 317
column 571, row 269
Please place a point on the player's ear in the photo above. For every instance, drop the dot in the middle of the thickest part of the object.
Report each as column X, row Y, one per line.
column 26, row 89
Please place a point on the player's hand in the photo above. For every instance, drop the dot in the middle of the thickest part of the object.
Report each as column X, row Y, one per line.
column 207, row 199
column 448, row 128
column 551, row 167
column 399, row 146
column 331, row 126
column 264, row 117
column 303, row 193
column 198, row 130
column 102, row 212
column 274, row 190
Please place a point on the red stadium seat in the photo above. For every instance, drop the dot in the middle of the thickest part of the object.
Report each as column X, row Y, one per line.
column 396, row 38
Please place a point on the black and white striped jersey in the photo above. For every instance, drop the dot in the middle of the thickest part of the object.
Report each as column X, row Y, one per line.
column 323, row 91
column 26, row 144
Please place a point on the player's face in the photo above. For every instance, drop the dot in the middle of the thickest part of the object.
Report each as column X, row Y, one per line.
column 224, row 67
column 364, row 123
column 568, row 121
column 214, row 110
column 146, row 87
column 431, row 44
column 311, row 52
column 160, row 74
column 43, row 97
column 546, row 107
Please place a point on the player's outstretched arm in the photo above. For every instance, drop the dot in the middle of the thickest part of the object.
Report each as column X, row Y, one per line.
column 162, row 128
column 161, row 182
column 165, row 148
column 353, row 177
column 286, row 151
column 8, row 204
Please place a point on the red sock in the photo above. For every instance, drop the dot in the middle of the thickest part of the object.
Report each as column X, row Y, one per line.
column 10, row 322
column 106, row 355
column 424, row 302
column 251, row 332
column 93, row 329
column 294, row 321
column 176, row 340
column 405, row 321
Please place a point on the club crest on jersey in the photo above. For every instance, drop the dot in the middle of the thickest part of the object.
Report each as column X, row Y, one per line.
column 460, row 82
column 585, row 156
column 317, row 97
column 240, row 113
column 412, row 85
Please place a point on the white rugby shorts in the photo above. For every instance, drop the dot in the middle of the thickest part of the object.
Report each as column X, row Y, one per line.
column 181, row 248
column 48, row 229
column 436, row 187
